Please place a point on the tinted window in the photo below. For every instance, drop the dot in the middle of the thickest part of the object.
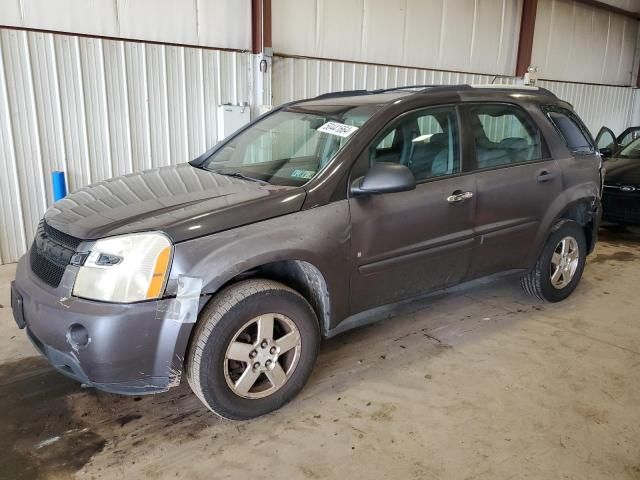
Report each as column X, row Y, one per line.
column 425, row 141
column 575, row 135
column 504, row 135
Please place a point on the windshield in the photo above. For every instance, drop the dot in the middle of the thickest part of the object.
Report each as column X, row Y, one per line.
column 291, row 146
column 632, row 150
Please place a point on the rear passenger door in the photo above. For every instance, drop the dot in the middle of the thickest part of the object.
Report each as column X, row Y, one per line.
column 516, row 182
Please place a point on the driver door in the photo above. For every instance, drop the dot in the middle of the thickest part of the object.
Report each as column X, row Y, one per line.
column 407, row 243
column 607, row 140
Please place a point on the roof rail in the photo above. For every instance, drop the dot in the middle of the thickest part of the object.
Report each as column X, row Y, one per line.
column 548, row 92
column 436, row 87
column 455, row 86
column 345, row 93
column 350, row 93
column 405, row 87
column 512, row 86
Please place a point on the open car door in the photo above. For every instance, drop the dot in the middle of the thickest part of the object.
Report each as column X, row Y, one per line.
column 607, row 142
column 628, row 136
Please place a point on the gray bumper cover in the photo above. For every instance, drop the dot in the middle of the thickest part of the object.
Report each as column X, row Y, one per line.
column 133, row 349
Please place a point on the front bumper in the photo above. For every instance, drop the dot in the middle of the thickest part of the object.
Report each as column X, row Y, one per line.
column 132, row 349
column 621, row 207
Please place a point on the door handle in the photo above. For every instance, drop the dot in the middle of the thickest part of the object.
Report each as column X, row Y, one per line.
column 545, row 176
column 459, row 196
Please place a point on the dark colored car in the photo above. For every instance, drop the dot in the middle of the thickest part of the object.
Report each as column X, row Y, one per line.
column 297, row 227
column 621, row 199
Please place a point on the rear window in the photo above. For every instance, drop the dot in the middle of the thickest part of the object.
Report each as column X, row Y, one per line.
column 573, row 131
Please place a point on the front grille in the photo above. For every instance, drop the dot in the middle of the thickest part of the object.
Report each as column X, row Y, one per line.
column 61, row 238
column 621, row 206
column 51, row 252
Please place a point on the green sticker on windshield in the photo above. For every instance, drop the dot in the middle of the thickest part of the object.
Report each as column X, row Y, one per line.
column 304, row 174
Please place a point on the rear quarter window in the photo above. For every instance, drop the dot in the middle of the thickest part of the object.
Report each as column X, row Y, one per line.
column 572, row 130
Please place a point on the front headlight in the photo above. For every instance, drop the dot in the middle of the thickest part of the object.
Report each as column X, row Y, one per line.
column 125, row 269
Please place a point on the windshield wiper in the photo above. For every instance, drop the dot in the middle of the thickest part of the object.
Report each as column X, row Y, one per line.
column 243, row 177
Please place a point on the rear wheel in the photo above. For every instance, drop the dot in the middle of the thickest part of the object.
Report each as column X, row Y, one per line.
column 560, row 265
column 253, row 349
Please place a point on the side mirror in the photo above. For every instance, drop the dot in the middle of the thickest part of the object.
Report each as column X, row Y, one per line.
column 384, row 178
column 606, row 152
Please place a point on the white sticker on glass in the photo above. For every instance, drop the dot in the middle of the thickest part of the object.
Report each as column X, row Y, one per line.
column 339, row 129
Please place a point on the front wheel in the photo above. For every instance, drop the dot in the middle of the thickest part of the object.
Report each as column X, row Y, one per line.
column 560, row 265
column 253, row 349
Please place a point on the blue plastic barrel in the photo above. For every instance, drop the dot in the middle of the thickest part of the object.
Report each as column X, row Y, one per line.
column 59, row 186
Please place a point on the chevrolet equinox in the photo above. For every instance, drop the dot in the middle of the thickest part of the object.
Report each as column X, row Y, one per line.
column 232, row 267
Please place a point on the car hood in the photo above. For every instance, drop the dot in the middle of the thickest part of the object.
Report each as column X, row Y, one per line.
column 622, row 171
column 181, row 200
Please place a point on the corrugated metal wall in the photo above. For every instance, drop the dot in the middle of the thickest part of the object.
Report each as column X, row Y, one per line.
column 635, row 116
column 573, row 41
column 583, row 43
column 465, row 35
column 295, row 78
column 98, row 108
column 206, row 23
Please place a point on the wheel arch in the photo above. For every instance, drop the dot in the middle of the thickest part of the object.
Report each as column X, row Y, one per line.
column 300, row 275
column 581, row 211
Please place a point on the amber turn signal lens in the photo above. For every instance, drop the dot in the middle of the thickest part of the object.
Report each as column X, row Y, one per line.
column 159, row 273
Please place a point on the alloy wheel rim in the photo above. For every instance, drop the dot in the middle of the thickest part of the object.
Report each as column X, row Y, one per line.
column 564, row 262
column 262, row 356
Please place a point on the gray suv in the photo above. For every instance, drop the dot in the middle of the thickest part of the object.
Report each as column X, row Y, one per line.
column 231, row 268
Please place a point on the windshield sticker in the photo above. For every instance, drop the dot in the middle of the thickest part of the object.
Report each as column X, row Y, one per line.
column 338, row 129
column 304, row 174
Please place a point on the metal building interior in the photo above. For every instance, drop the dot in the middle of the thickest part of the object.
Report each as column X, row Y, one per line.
column 480, row 382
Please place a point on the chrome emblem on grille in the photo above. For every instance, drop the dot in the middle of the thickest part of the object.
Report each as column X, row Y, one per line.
column 628, row 188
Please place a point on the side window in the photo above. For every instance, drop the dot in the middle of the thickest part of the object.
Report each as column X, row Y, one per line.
column 629, row 137
column 426, row 142
column 504, row 135
column 574, row 133
column 606, row 139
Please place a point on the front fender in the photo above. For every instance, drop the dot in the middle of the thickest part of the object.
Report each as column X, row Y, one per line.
column 319, row 236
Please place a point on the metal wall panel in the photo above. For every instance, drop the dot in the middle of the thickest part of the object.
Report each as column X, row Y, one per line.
column 582, row 43
column 464, row 35
column 296, row 78
column 212, row 23
column 97, row 108
column 631, row 5
column 635, row 115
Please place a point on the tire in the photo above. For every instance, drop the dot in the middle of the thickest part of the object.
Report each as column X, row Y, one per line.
column 212, row 368
column 538, row 282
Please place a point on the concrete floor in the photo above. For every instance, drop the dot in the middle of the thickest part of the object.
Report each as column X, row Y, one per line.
column 484, row 383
